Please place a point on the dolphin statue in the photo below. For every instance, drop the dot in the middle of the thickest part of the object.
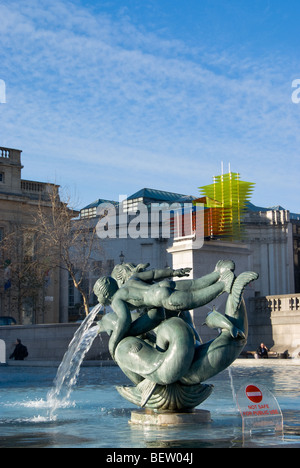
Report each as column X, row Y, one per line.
column 170, row 375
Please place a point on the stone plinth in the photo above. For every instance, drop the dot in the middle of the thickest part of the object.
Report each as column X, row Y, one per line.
column 152, row 418
column 2, row 352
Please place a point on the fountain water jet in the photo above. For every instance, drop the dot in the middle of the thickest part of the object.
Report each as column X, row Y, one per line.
column 69, row 368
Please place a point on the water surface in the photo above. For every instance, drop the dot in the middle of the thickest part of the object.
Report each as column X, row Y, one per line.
column 97, row 416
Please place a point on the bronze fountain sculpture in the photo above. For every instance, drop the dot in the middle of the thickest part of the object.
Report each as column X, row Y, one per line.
column 153, row 338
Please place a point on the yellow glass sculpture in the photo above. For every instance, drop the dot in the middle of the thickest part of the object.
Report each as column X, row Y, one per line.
column 225, row 202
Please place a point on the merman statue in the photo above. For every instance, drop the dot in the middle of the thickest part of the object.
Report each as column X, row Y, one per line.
column 157, row 346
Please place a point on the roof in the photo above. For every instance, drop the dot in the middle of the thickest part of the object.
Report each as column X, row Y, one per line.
column 98, row 202
column 153, row 195
column 161, row 195
column 252, row 207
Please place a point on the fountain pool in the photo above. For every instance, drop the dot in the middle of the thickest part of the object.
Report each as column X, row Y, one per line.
column 95, row 415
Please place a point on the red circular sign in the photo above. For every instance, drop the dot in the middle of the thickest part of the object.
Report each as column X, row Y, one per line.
column 254, row 394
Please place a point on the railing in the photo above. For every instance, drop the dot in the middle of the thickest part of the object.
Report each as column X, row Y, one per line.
column 284, row 302
column 30, row 186
column 4, row 153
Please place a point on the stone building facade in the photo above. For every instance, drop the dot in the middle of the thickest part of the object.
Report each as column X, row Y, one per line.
column 20, row 298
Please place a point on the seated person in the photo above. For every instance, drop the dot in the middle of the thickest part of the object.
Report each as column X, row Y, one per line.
column 262, row 352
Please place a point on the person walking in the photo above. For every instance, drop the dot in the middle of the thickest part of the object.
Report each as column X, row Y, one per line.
column 20, row 352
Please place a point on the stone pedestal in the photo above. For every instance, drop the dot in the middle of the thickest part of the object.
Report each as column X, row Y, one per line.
column 2, row 352
column 152, row 418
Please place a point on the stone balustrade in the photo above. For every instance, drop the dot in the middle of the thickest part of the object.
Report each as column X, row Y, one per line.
column 4, row 153
column 30, row 186
column 275, row 320
column 284, row 302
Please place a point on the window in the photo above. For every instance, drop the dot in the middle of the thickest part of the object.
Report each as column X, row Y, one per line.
column 97, row 268
column 71, row 292
column 110, row 266
column 89, row 213
column 2, row 177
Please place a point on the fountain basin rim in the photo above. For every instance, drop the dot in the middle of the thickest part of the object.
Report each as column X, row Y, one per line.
column 111, row 363
column 168, row 418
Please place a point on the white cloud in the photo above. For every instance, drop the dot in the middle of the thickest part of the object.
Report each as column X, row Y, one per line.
column 97, row 91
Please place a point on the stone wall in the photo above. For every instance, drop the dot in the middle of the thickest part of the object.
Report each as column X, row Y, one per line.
column 50, row 342
column 275, row 321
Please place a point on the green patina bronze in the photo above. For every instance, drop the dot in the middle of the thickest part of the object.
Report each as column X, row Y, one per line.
column 153, row 338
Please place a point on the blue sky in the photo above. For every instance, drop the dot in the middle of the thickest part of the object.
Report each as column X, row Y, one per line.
column 107, row 97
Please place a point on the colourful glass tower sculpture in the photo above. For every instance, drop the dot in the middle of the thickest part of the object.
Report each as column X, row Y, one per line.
column 225, row 205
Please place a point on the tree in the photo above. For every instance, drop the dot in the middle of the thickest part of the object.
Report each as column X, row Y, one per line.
column 67, row 242
column 23, row 274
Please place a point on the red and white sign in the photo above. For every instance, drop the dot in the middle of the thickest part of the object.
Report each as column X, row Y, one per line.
column 258, row 407
column 254, row 394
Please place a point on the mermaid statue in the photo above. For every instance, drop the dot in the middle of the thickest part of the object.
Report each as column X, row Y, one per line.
column 153, row 338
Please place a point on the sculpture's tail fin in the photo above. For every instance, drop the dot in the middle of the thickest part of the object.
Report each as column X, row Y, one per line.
column 146, row 388
column 239, row 285
column 173, row 397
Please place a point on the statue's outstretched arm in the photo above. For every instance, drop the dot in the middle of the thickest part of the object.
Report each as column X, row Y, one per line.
column 159, row 274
